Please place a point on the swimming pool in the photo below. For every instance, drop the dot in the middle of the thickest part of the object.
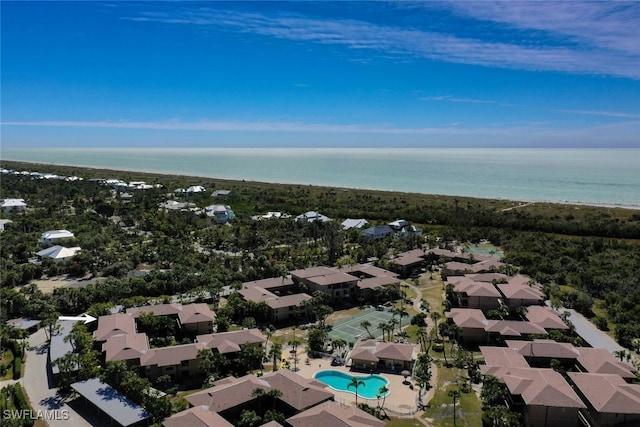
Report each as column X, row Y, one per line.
column 339, row 380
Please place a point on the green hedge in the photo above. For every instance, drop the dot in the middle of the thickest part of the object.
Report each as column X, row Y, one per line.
column 17, row 368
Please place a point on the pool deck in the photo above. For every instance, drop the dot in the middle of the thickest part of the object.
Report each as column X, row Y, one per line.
column 401, row 399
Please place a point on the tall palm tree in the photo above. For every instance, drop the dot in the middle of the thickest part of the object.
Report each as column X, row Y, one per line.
column 435, row 316
column 455, row 394
column 366, row 324
column 383, row 391
column 355, row 383
column 275, row 352
column 384, row 327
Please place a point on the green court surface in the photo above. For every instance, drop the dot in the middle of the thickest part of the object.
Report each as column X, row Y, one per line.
column 349, row 329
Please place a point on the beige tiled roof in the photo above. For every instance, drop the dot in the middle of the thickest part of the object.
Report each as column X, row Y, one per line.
column 500, row 358
column 287, row 301
column 513, row 328
column 477, row 289
column 599, row 360
column 467, row 317
column 298, row 392
column 158, row 310
column 488, row 277
column 305, row 273
column 608, row 393
column 196, row 417
column 395, row 351
column 228, row 395
column 372, row 350
column 168, row 356
column 545, row 317
column 520, row 292
column 331, row 414
column 544, row 348
column 274, row 282
column 226, row 342
column 125, row 347
column 541, row 387
column 196, row 313
column 367, row 270
column 380, row 281
column 114, row 324
column 332, row 279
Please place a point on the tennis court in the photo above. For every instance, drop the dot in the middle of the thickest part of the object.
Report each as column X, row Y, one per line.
column 349, row 329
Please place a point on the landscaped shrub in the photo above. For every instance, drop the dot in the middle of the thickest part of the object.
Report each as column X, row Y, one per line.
column 17, row 368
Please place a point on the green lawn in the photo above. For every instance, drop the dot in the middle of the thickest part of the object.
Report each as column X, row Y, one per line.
column 440, row 410
column 7, row 360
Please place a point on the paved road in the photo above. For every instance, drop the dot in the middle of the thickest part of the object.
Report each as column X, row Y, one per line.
column 590, row 333
column 42, row 395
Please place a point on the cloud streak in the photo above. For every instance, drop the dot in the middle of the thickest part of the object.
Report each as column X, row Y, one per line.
column 607, row 50
column 236, row 126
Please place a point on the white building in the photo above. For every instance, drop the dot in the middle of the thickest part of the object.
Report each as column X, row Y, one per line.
column 9, row 205
column 49, row 237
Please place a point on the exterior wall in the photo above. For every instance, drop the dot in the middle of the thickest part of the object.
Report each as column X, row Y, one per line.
column 337, row 292
column 187, row 369
column 544, row 416
column 483, row 303
column 610, row 420
column 472, row 335
column 281, row 314
column 198, row 328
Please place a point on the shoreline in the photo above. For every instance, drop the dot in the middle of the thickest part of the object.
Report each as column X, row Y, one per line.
column 521, row 202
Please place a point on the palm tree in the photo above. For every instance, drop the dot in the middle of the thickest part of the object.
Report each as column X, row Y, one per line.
column 455, row 394
column 249, row 419
column 435, row 316
column 355, row 382
column 275, row 352
column 365, row 324
column 402, row 312
column 384, row 327
column 258, row 393
column 383, row 391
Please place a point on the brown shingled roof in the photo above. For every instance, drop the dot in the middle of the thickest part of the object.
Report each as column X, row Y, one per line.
column 114, row 324
column 544, row 348
column 226, row 342
column 599, row 360
column 542, row 387
column 168, row 356
column 298, row 392
column 608, row 393
column 196, row 313
column 196, row 417
column 545, row 317
column 331, row 414
column 228, row 395
column 125, row 347
column 158, row 310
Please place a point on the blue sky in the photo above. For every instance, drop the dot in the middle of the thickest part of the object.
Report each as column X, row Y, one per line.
column 321, row 74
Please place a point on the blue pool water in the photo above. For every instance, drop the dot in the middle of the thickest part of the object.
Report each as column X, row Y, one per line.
column 338, row 380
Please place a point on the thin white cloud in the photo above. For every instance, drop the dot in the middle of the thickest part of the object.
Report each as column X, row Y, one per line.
column 605, row 24
column 593, row 55
column 456, row 99
column 236, row 126
column 620, row 114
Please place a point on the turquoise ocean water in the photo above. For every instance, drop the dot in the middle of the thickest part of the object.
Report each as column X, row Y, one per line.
column 593, row 176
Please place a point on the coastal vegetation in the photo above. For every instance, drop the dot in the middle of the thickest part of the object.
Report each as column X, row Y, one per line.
column 133, row 251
